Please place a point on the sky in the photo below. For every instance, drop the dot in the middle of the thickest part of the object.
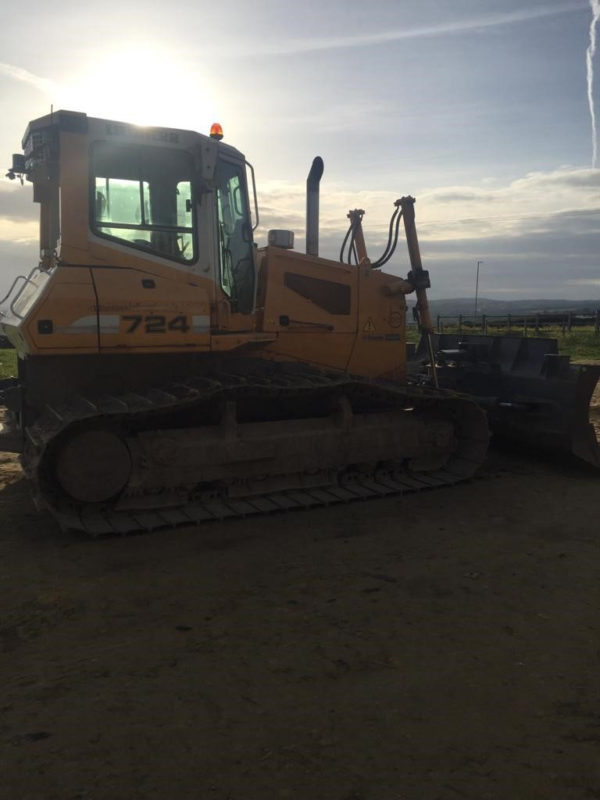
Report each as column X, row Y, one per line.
column 483, row 111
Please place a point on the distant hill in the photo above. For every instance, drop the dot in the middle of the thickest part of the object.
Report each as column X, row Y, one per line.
column 465, row 306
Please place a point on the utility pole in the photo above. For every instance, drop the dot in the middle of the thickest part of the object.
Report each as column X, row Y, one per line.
column 477, row 287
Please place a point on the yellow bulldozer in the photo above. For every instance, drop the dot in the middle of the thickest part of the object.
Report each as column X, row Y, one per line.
column 170, row 371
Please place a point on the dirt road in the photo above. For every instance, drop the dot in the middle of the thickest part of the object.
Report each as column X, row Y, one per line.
column 440, row 646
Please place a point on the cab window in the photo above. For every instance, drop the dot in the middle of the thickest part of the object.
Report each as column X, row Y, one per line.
column 143, row 197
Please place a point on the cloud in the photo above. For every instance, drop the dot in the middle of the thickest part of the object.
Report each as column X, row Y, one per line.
column 564, row 177
column 291, row 46
column 16, row 258
column 16, row 202
column 463, row 196
column 19, row 232
column 19, row 217
column 537, row 234
column 44, row 85
column 568, row 198
column 538, row 201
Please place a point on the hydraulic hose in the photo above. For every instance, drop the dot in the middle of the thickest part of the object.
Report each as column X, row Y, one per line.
column 391, row 246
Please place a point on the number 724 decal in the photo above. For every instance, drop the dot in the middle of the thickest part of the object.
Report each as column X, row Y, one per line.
column 155, row 323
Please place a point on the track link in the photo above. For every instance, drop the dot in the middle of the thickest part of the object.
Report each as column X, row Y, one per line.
column 145, row 411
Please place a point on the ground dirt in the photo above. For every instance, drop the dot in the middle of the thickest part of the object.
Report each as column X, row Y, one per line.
column 433, row 647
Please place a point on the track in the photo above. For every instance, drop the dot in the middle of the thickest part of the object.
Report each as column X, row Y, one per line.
column 144, row 504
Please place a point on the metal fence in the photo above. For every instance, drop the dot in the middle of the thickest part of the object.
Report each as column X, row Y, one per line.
column 522, row 322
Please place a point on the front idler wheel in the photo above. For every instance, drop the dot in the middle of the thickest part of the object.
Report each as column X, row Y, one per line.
column 93, row 466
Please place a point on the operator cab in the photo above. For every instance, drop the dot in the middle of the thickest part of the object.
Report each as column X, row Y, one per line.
column 172, row 196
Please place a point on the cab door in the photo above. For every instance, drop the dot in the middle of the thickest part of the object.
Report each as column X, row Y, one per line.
column 235, row 245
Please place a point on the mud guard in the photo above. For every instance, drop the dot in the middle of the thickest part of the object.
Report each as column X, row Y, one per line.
column 532, row 394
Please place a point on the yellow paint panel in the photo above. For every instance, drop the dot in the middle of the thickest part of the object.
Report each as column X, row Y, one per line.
column 380, row 347
column 67, row 312
column 327, row 350
column 146, row 312
column 306, row 315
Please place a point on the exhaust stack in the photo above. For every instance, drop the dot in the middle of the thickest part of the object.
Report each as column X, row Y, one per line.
column 312, row 206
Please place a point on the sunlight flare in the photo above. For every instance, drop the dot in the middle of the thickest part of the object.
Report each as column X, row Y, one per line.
column 143, row 84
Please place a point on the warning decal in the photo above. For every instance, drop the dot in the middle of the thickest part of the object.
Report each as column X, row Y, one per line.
column 369, row 326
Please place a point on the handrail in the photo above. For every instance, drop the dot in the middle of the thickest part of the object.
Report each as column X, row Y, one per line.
column 26, row 280
column 12, row 286
column 16, row 297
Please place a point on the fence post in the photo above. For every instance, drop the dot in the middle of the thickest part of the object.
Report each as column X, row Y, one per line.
column 597, row 325
column 484, row 324
column 438, row 323
column 537, row 324
column 564, row 325
column 570, row 322
column 460, row 323
column 525, row 325
column 509, row 323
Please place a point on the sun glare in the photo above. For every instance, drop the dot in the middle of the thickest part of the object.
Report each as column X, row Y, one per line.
column 143, row 85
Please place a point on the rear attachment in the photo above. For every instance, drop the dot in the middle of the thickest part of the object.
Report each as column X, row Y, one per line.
column 271, row 438
column 532, row 394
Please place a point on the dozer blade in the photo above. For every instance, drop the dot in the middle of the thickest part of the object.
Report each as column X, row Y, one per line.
column 532, row 394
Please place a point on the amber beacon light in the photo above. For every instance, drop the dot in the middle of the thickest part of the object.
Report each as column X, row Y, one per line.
column 216, row 131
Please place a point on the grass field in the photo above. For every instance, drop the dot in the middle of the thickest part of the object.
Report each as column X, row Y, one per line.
column 8, row 363
column 581, row 345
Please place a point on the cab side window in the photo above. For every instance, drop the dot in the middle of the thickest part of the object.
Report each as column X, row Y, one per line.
column 235, row 236
column 142, row 197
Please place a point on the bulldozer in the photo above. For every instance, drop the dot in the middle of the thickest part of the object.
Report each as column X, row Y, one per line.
column 170, row 371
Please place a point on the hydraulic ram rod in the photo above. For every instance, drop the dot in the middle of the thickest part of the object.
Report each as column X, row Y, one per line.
column 419, row 278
